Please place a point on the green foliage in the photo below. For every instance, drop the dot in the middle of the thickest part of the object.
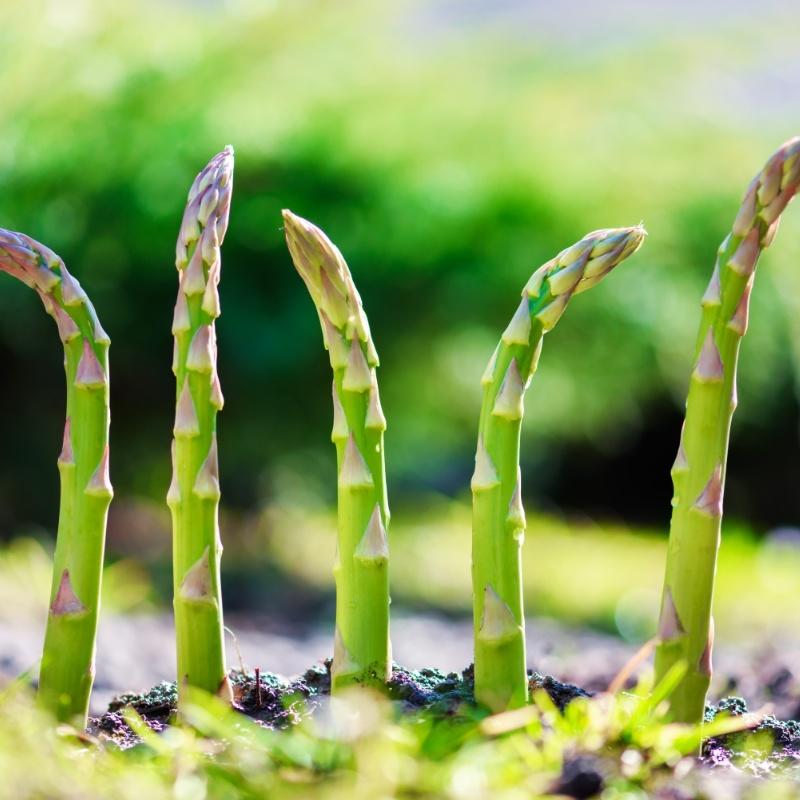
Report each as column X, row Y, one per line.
column 357, row 746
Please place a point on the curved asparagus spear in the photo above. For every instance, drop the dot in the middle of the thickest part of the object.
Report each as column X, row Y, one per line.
column 67, row 668
column 361, row 651
column 686, row 627
column 194, row 494
column 498, row 520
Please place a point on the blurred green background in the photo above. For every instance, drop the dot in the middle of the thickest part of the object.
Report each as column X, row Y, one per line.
column 448, row 148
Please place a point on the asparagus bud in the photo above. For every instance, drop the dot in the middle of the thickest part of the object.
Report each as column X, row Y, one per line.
column 698, row 475
column 67, row 668
column 498, row 521
column 194, row 493
column 362, row 649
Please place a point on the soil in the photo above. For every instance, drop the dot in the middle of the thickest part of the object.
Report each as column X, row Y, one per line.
column 273, row 702
column 770, row 746
column 139, row 651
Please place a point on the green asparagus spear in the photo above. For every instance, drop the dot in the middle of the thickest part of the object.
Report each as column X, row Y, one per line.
column 194, row 494
column 67, row 668
column 362, row 652
column 686, row 626
column 498, row 521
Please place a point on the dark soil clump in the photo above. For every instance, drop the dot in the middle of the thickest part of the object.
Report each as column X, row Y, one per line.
column 560, row 693
column 765, row 746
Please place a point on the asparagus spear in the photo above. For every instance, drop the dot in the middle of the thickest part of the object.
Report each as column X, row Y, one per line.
column 498, row 521
column 67, row 668
column 194, row 493
column 686, row 627
column 362, row 651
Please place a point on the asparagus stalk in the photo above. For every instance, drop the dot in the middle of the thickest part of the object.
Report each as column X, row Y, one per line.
column 686, row 627
column 362, row 652
column 498, row 520
column 194, row 493
column 67, row 668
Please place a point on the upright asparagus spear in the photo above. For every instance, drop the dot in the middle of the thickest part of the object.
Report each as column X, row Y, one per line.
column 67, row 668
column 361, row 650
column 194, row 494
column 498, row 520
column 686, row 627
